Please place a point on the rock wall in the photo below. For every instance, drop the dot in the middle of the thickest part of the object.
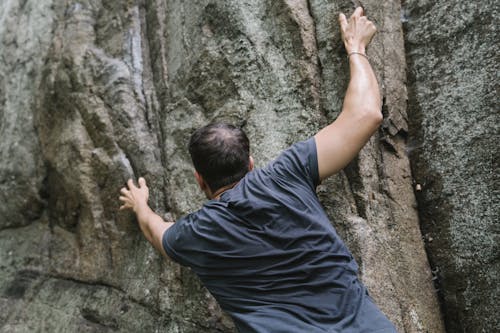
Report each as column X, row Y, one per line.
column 453, row 84
column 94, row 92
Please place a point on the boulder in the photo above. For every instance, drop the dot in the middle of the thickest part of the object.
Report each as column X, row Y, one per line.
column 95, row 92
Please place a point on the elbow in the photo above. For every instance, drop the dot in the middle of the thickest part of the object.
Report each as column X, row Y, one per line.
column 373, row 117
column 378, row 118
column 376, row 112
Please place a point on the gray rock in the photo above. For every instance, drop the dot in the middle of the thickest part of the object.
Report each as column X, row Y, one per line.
column 92, row 93
column 25, row 36
column 453, row 74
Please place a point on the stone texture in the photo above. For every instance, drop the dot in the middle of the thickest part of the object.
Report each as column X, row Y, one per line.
column 453, row 84
column 94, row 92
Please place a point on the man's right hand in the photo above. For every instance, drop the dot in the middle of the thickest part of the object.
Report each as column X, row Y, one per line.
column 134, row 197
column 357, row 31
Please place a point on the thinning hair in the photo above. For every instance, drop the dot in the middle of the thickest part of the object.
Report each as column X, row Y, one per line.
column 220, row 154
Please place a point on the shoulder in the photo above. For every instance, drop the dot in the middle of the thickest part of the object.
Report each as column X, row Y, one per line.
column 201, row 219
column 300, row 152
column 299, row 160
column 194, row 234
column 305, row 146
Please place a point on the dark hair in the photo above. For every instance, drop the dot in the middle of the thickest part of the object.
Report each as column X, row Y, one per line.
column 220, row 154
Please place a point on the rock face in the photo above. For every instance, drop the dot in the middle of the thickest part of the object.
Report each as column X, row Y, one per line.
column 453, row 75
column 94, row 92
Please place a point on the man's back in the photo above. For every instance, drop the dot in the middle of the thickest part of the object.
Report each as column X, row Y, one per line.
column 267, row 251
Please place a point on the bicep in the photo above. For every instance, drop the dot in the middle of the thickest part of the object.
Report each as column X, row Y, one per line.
column 338, row 143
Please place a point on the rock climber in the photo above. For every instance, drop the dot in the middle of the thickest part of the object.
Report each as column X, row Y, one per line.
column 262, row 244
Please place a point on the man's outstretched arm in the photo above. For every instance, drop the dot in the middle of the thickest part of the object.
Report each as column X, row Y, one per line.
column 338, row 143
column 151, row 224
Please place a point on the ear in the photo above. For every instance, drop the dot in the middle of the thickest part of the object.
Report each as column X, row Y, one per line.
column 200, row 181
column 250, row 164
column 203, row 186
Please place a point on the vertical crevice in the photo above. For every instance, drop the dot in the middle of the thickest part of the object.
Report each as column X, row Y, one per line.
column 299, row 10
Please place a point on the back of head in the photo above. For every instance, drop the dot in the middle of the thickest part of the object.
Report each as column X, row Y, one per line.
column 220, row 154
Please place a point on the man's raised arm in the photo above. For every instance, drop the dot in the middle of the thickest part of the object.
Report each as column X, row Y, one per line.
column 338, row 143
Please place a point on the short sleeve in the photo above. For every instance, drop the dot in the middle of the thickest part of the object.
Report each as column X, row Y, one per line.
column 182, row 241
column 299, row 163
column 194, row 238
column 172, row 236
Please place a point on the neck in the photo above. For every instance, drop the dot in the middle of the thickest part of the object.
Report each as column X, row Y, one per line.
column 223, row 189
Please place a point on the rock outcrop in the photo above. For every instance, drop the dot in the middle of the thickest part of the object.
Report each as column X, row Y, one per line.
column 94, row 92
column 453, row 75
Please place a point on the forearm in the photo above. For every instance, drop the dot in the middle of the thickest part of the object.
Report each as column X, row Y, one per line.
column 362, row 97
column 152, row 226
column 145, row 216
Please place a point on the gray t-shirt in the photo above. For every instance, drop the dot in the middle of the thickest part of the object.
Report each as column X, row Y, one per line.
column 270, row 256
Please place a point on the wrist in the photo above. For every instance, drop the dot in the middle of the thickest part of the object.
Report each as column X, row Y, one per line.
column 359, row 48
column 353, row 54
column 141, row 209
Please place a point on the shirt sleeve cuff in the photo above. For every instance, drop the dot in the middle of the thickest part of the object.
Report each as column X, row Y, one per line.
column 167, row 240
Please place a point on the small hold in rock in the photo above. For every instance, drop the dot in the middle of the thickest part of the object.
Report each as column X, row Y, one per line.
column 124, row 308
column 418, row 187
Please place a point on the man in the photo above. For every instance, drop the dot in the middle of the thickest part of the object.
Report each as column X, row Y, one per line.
column 262, row 244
